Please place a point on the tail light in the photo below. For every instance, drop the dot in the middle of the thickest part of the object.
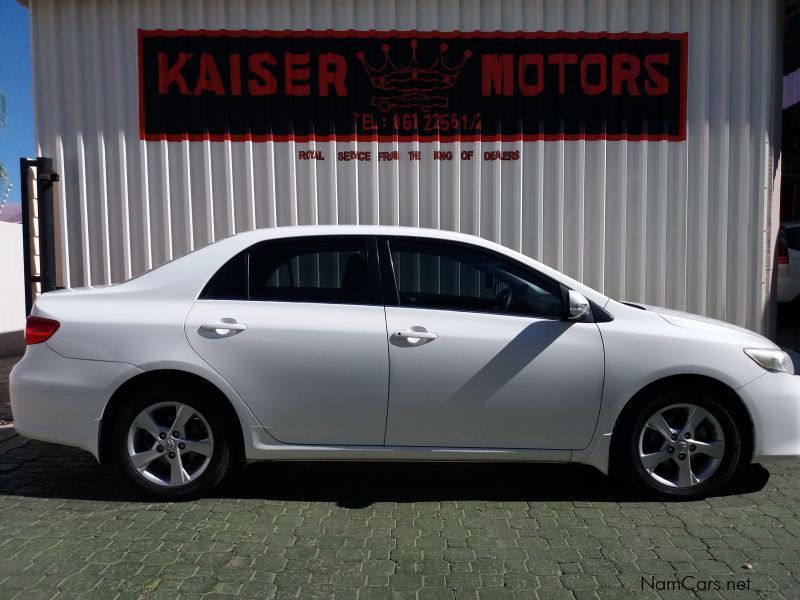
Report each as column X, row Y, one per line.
column 783, row 252
column 39, row 329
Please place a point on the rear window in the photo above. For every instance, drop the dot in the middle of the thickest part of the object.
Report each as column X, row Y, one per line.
column 323, row 271
column 303, row 270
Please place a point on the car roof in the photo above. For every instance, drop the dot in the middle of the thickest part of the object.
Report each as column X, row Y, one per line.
column 215, row 255
column 268, row 233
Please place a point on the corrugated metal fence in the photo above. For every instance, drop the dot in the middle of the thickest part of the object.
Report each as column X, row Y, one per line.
column 681, row 224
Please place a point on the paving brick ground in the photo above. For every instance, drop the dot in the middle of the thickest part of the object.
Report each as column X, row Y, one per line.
column 72, row 529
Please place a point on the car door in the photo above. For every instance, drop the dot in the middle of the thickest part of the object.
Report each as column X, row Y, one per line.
column 480, row 354
column 297, row 328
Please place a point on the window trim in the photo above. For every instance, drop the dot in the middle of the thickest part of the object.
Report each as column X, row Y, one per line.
column 374, row 292
column 391, row 296
column 390, row 290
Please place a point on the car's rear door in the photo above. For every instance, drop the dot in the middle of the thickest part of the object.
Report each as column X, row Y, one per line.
column 480, row 355
column 301, row 337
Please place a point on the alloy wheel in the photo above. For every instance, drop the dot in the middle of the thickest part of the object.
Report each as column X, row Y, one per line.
column 681, row 445
column 170, row 444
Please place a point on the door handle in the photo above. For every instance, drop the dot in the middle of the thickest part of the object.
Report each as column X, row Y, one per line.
column 223, row 326
column 421, row 335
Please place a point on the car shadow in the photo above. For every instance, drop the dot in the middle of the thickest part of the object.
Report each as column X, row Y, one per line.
column 359, row 485
column 44, row 471
column 507, row 364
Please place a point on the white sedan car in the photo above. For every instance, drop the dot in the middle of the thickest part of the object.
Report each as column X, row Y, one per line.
column 388, row 343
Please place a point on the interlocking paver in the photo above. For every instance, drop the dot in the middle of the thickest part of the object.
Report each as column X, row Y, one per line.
column 72, row 529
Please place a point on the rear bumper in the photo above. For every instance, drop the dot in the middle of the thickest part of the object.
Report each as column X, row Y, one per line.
column 61, row 400
column 773, row 401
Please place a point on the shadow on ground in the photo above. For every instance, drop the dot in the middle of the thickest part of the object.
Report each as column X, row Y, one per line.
column 357, row 485
column 46, row 471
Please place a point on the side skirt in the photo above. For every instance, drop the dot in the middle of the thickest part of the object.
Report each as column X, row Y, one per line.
column 262, row 447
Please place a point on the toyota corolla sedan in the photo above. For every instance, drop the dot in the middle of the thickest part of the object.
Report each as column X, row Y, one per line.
column 388, row 343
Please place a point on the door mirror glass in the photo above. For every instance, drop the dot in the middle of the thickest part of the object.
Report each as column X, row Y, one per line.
column 578, row 305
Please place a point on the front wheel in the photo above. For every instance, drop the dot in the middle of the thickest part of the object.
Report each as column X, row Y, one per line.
column 172, row 448
column 680, row 444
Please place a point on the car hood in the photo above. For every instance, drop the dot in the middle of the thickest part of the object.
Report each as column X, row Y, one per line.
column 702, row 324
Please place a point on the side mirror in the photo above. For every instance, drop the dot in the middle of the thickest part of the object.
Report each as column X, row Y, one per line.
column 578, row 305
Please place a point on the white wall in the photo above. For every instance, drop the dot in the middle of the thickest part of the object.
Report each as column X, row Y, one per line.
column 683, row 224
column 12, row 295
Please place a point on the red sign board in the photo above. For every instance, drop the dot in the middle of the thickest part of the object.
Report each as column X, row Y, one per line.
column 411, row 85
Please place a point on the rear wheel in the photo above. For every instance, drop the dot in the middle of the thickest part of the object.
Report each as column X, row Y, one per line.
column 172, row 448
column 680, row 444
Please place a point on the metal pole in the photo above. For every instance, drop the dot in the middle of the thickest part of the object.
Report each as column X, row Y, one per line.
column 45, row 177
column 47, row 237
column 24, row 165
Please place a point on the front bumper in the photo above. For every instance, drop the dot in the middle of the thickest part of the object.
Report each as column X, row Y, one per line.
column 773, row 401
column 61, row 400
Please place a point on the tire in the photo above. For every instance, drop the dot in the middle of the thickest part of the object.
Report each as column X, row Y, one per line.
column 663, row 461
column 173, row 467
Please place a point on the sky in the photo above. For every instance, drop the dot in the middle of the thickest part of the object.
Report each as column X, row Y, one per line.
column 15, row 80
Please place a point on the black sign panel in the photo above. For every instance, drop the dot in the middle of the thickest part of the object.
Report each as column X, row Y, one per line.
column 411, row 85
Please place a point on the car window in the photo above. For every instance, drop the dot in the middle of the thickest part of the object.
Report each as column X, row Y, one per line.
column 301, row 270
column 793, row 238
column 310, row 271
column 230, row 282
column 455, row 277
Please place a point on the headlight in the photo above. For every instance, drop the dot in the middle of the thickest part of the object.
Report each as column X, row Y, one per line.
column 771, row 359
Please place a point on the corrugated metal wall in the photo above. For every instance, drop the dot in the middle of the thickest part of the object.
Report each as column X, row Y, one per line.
column 681, row 224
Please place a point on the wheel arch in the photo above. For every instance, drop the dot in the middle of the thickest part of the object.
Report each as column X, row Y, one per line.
column 161, row 377
column 738, row 410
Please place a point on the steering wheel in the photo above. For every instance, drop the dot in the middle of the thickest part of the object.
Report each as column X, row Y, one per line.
column 503, row 298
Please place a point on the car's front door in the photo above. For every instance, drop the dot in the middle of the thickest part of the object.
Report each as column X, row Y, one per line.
column 480, row 356
column 297, row 328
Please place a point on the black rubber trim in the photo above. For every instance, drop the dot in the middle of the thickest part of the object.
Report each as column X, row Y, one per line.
column 600, row 314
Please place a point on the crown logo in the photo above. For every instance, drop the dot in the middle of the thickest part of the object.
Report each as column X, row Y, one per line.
column 412, row 86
